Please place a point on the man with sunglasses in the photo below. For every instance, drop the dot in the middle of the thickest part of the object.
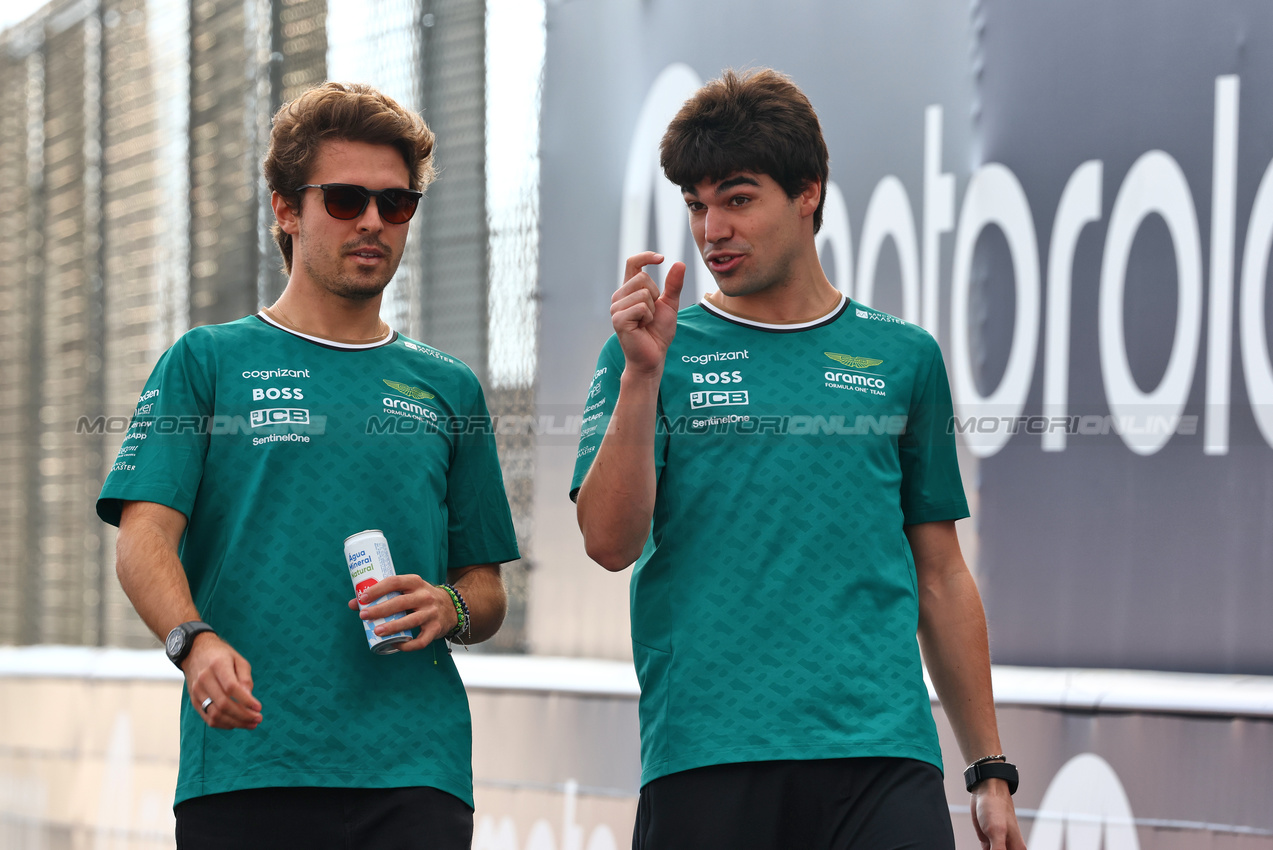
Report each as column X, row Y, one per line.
column 257, row 448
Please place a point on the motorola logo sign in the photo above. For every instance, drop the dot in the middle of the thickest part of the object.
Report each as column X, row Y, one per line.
column 1154, row 185
column 1084, row 808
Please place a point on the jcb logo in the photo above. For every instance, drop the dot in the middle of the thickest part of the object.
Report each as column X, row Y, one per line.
column 279, row 416
column 276, row 393
column 717, row 377
column 718, row 398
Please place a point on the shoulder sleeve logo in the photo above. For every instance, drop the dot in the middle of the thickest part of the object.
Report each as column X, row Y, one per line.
column 408, row 391
column 852, row 362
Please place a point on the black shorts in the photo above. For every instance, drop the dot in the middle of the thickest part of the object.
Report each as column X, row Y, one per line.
column 821, row 804
column 325, row 819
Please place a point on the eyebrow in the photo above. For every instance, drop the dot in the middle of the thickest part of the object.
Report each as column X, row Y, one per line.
column 736, row 181
column 725, row 185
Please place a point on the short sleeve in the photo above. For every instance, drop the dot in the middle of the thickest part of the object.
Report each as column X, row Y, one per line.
column 603, row 394
column 162, row 455
column 479, row 524
column 932, row 489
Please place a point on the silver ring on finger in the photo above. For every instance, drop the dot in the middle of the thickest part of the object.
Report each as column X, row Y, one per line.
column 206, row 703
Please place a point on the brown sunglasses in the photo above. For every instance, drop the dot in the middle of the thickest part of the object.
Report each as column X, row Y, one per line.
column 346, row 201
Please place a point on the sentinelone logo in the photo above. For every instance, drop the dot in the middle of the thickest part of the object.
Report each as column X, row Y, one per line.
column 1155, row 185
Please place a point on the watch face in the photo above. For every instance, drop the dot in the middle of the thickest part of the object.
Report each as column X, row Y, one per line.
column 176, row 638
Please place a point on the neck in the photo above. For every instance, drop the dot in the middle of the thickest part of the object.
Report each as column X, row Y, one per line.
column 803, row 296
column 310, row 310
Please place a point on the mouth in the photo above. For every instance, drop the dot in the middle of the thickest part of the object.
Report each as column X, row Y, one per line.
column 366, row 256
column 723, row 262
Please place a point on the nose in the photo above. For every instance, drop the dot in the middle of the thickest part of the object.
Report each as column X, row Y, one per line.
column 370, row 220
column 716, row 226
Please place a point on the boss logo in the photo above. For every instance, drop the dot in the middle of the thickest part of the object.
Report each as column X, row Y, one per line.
column 718, row 377
column 276, row 393
column 718, row 398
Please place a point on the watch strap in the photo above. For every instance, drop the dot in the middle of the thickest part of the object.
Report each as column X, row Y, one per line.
column 992, row 770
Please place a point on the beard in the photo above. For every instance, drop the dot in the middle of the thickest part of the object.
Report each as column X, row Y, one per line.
column 359, row 285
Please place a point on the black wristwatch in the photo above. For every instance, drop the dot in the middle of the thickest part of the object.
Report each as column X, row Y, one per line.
column 179, row 641
column 992, row 770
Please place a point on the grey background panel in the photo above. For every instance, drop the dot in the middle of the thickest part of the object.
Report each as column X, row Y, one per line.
column 541, row 739
column 1096, row 556
column 1165, row 765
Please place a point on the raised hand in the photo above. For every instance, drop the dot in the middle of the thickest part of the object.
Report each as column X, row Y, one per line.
column 645, row 319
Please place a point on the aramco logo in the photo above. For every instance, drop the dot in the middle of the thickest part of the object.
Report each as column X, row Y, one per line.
column 1154, row 186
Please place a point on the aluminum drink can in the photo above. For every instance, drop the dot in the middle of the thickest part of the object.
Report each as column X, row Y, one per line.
column 367, row 555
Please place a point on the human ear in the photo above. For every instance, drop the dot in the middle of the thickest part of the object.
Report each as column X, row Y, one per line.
column 810, row 197
column 287, row 216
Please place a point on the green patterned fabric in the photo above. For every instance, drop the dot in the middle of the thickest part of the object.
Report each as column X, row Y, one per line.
column 394, row 436
column 774, row 608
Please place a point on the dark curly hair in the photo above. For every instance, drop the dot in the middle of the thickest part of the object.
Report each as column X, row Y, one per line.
column 755, row 121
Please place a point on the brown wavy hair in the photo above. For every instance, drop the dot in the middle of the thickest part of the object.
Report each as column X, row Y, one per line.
column 350, row 112
column 756, row 121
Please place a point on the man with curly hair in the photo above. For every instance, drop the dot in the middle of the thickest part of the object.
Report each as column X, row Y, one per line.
column 257, row 447
column 776, row 461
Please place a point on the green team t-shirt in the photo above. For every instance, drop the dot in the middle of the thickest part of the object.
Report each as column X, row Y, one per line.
column 277, row 447
column 774, row 609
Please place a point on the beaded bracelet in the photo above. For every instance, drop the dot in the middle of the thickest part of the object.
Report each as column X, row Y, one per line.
column 462, row 619
column 985, row 759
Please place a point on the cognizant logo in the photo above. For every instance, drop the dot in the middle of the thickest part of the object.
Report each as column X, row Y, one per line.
column 267, row 374
column 714, row 356
column 1154, row 185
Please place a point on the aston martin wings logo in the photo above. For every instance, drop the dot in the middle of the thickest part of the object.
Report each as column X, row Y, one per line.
column 852, row 362
column 409, row 392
